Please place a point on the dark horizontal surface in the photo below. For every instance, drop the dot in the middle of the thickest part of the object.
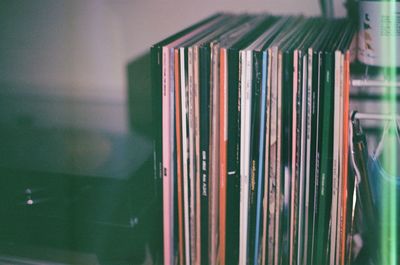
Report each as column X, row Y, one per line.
column 74, row 151
column 78, row 191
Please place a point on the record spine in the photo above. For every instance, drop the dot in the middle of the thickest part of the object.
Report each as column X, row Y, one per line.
column 261, row 162
column 264, row 257
column 294, row 179
column 317, row 154
column 245, row 155
column 336, row 159
column 185, row 149
column 178, row 158
column 205, row 144
column 156, row 74
column 255, row 142
column 346, row 97
column 214, row 171
column 272, row 163
column 167, row 180
column 233, row 157
column 286, row 153
column 303, row 150
column 192, row 162
column 326, row 163
column 313, row 150
column 223, row 156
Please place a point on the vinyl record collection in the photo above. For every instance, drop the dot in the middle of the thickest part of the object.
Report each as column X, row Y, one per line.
column 251, row 140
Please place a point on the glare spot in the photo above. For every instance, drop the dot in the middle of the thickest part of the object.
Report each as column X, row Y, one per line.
column 133, row 221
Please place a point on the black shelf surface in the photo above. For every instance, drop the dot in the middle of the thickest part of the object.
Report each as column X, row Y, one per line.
column 77, row 196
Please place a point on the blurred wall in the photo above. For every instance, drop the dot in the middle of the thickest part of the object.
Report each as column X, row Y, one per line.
column 79, row 49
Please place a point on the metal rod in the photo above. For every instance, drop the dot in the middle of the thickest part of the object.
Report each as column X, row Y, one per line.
column 375, row 116
column 373, row 83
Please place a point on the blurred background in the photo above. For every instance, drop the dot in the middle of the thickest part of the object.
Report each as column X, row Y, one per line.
column 79, row 50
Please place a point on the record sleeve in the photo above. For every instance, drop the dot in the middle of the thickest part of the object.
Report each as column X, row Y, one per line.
column 185, row 149
column 302, row 154
column 316, row 59
column 214, row 170
column 326, row 154
column 196, row 122
column 250, row 147
column 168, row 139
column 253, row 233
column 192, row 158
column 276, row 133
column 267, row 217
column 205, row 63
column 336, row 156
column 325, row 158
column 294, row 176
column 254, row 137
column 336, row 214
column 255, row 161
column 157, row 94
column 292, row 130
column 274, row 193
column 345, row 143
column 197, row 151
column 179, row 157
column 167, row 160
column 256, row 149
column 246, row 58
column 260, row 137
column 233, row 149
column 230, row 39
column 286, row 87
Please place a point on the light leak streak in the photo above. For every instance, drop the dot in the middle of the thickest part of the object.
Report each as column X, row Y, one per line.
column 388, row 237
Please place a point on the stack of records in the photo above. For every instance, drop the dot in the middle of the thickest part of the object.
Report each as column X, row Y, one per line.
column 251, row 141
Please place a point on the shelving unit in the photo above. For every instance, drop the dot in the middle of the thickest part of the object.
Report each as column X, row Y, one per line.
column 375, row 117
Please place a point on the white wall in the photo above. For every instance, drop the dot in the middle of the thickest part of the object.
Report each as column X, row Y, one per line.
column 62, row 48
column 80, row 48
column 145, row 22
